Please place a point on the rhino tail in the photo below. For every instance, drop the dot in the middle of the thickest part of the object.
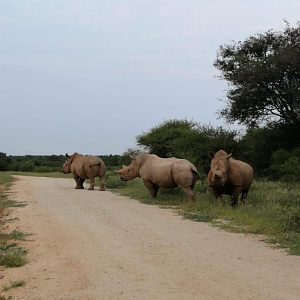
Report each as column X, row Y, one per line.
column 196, row 176
column 95, row 164
column 102, row 168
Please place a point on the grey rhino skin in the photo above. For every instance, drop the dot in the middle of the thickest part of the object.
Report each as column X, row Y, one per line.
column 85, row 167
column 159, row 172
column 229, row 176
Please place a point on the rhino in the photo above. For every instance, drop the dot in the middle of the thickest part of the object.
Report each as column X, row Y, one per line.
column 85, row 167
column 229, row 176
column 159, row 172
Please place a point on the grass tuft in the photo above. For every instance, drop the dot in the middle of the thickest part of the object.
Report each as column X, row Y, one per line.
column 13, row 285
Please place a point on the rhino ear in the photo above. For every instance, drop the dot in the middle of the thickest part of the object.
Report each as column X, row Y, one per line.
column 228, row 156
column 210, row 154
column 132, row 155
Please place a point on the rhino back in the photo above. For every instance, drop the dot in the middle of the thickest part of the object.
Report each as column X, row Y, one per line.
column 169, row 172
column 158, row 170
column 92, row 166
column 240, row 173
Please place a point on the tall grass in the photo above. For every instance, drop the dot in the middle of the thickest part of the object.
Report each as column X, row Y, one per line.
column 11, row 254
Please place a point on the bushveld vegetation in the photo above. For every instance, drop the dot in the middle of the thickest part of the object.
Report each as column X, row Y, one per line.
column 264, row 95
column 11, row 253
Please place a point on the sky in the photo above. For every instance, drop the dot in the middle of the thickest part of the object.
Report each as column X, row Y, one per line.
column 91, row 75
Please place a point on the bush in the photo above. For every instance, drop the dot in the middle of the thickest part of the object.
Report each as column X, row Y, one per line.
column 27, row 166
column 46, row 169
column 113, row 181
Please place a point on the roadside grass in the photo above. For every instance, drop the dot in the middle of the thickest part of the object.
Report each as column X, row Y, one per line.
column 5, row 298
column 272, row 208
column 11, row 253
column 13, row 285
column 36, row 174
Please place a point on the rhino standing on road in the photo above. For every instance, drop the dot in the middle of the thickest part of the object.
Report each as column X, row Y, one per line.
column 229, row 176
column 159, row 172
column 85, row 167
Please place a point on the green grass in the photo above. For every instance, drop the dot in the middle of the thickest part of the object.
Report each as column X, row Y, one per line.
column 13, row 285
column 5, row 298
column 36, row 174
column 11, row 254
column 272, row 209
column 5, row 178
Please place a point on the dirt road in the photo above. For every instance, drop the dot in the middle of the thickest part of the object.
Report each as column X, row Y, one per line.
column 97, row 245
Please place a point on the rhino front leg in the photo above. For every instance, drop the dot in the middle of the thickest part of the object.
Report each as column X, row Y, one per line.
column 153, row 189
column 102, row 185
column 235, row 196
column 79, row 185
column 92, row 183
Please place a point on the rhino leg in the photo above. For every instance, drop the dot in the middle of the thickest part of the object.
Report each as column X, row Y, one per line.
column 81, row 181
column 235, row 196
column 153, row 189
column 244, row 196
column 102, row 186
column 92, row 183
column 79, row 184
column 189, row 193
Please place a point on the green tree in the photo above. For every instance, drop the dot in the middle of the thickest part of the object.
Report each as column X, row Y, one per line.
column 4, row 162
column 263, row 73
column 189, row 140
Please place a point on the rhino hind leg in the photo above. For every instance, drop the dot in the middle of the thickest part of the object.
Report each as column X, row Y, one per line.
column 102, row 185
column 79, row 182
column 189, row 193
column 92, row 183
column 153, row 189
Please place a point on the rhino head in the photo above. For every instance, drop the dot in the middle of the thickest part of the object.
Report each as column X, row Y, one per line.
column 219, row 167
column 67, row 165
column 129, row 172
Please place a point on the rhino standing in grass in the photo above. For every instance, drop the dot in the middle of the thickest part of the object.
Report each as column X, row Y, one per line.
column 85, row 167
column 159, row 172
column 229, row 176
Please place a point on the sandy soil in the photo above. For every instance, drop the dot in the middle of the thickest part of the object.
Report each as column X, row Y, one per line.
column 97, row 245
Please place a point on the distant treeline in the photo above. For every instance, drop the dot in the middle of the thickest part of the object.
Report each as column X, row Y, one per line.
column 273, row 152
column 44, row 163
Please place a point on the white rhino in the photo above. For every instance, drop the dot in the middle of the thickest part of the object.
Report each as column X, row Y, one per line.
column 229, row 176
column 85, row 167
column 159, row 172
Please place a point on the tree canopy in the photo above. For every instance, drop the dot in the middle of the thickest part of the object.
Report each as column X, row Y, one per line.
column 189, row 140
column 263, row 73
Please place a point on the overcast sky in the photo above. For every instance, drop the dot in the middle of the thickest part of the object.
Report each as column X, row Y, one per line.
column 91, row 75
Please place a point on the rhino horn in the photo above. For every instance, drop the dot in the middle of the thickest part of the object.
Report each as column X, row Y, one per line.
column 228, row 156
column 67, row 155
